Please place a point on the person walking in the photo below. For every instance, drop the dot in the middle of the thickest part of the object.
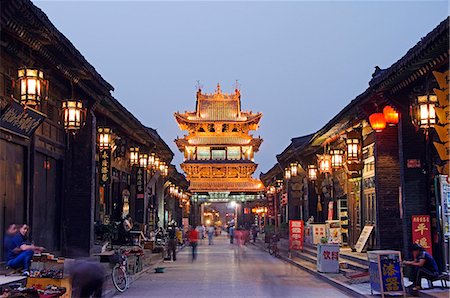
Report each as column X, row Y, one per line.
column 254, row 233
column 172, row 243
column 210, row 235
column 193, row 241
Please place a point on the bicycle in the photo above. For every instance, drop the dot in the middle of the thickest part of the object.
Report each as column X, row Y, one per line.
column 273, row 246
column 121, row 269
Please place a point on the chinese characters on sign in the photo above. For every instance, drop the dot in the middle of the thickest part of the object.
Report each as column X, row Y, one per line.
column 140, row 183
column 391, row 276
column 421, row 232
column 296, row 234
column 105, row 167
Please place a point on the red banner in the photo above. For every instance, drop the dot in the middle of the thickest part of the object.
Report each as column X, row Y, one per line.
column 296, row 235
column 421, row 231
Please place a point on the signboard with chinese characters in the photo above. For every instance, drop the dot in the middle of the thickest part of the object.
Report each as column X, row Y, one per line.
column 296, row 235
column 421, row 231
column 385, row 272
column 20, row 120
column 362, row 240
column 391, row 275
column 318, row 232
column 105, row 167
column 140, row 178
column 328, row 258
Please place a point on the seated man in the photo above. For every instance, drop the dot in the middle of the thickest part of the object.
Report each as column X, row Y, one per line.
column 423, row 266
column 19, row 254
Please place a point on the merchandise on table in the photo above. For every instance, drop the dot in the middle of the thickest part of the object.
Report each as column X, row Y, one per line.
column 46, row 265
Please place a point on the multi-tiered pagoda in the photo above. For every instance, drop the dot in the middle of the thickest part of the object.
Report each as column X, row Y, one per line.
column 218, row 150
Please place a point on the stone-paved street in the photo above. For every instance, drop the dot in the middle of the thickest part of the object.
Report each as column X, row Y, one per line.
column 219, row 272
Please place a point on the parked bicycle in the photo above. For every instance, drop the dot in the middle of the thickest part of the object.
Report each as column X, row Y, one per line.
column 273, row 246
column 123, row 268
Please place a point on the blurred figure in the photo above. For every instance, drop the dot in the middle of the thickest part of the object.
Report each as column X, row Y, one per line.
column 172, row 242
column 10, row 232
column 87, row 279
column 254, row 232
column 210, row 234
column 231, row 233
column 193, row 241
column 20, row 252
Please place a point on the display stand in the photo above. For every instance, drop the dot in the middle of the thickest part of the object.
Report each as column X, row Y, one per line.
column 46, row 270
column 328, row 258
column 386, row 276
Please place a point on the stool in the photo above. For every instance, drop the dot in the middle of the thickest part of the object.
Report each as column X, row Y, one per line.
column 443, row 277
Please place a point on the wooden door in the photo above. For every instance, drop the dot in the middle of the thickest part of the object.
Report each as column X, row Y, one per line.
column 12, row 186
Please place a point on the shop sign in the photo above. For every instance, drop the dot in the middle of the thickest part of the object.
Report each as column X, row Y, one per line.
column 20, row 120
column 362, row 240
column 105, row 167
column 140, row 183
column 328, row 258
column 391, row 276
column 296, row 235
column 421, row 232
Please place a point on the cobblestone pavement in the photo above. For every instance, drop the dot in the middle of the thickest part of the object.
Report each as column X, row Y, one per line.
column 221, row 270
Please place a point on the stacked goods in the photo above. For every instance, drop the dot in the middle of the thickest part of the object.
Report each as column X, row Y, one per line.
column 47, row 266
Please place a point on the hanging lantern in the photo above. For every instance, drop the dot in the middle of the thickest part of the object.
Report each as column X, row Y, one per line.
column 166, row 170
column 324, row 163
column 294, row 169
column 32, row 86
column 171, row 189
column 134, row 156
column 423, row 113
column 390, row 115
column 74, row 115
column 161, row 166
column 312, row 172
column 104, row 137
column 287, row 173
column 353, row 147
column 337, row 156
column 156, row 165
column 151, row 160
column 143, row 160
column 377, row 122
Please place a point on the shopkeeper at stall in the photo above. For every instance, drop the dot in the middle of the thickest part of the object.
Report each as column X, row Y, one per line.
column 19, row 253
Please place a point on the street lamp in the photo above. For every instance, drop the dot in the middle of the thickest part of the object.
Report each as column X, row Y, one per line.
column 287, row 173
column 151, row 160
column 104, row 137
column 353, row 147
column 134, row 156
column 336, row 158
column 294, row 169
column 312, row 172
column 143, row 160
column 32, row 84
column 324, row 163
column 423, row 113
column 74, row 115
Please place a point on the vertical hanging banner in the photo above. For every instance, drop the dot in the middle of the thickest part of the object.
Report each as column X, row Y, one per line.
column 140, row 183
column 296, row 235
column 105, row 167
column 421, row 231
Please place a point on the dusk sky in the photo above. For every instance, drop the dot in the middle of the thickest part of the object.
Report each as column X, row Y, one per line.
column 299, row 63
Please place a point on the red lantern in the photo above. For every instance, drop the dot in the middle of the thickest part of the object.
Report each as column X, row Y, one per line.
column 377, row 121
column 390, row 115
